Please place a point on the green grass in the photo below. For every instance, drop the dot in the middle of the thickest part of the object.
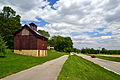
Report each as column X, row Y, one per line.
column 77, row 68
column 13, row 63
column 116, row 59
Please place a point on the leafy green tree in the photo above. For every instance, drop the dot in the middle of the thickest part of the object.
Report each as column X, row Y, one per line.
column 2, row 45
column 68, row 49
column 9, row 24
column 103, row 51
column 8, row 12
column 63, row 44
column 75, row 50
column 44, row 33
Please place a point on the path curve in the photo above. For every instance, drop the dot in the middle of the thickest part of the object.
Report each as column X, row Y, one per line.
column 109, row 65
column 46, row 71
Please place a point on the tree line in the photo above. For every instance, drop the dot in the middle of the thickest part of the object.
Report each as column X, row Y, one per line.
column 102, row 51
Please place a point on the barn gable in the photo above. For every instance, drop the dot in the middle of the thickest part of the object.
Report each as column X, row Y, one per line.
column 27, row 30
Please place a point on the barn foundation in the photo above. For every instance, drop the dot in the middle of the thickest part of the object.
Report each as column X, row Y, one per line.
column 38, row 53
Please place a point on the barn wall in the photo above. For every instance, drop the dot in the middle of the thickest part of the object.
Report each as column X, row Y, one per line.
column 41, row 44
column 25, row 42
column 20, row 33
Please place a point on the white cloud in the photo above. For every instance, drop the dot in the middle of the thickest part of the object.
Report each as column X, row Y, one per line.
column 105, row 37
column 75, row 16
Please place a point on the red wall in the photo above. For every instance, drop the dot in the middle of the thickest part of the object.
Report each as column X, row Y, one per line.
column 41, row 44
column 25, row 42
column 29, row 42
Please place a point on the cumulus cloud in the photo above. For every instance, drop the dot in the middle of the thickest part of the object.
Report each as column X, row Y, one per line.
column 104, row 37
column 78, row 16
column 27, row 9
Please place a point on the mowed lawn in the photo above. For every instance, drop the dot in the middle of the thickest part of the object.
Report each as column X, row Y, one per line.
column 77, row 68
column 13, row 63
column 116, row 59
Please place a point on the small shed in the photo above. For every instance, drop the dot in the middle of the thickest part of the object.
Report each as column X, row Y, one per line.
column 28, row 41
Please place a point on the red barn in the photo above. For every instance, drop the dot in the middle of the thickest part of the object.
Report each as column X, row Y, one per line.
column 28, row 41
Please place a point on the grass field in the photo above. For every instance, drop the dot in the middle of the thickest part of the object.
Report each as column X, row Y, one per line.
column 77, row 68
column 13, row 63
column 116, row 59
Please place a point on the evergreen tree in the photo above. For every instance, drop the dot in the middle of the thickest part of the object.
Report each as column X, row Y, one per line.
column 2, row 45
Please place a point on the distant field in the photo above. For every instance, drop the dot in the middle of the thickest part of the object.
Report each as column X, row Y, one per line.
column 77, row 68
column 115, row 58
column 109, row 55
column 13, row 63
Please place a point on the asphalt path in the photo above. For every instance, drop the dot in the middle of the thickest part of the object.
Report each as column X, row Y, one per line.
column 46, row 71
column 109, row 65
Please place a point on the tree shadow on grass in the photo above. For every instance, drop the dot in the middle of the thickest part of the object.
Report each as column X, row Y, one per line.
column 2, row 56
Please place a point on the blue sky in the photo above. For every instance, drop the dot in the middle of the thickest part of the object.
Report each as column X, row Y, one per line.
column 106, row 34
column 40, row 21
column 90, row 23
column 52, row 2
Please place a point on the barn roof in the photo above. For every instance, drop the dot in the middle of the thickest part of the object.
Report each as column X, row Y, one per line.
column 31, row 30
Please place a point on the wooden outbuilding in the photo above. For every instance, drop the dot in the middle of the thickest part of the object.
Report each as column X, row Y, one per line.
column 28, row 41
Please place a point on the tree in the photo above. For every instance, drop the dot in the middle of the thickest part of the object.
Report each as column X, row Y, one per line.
column 63, row 44
column 44, row 33
column 75, row 50
column 9, row 24
column 68, row 49
column 2, row 46
column 8, row 12
column 103, row 51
